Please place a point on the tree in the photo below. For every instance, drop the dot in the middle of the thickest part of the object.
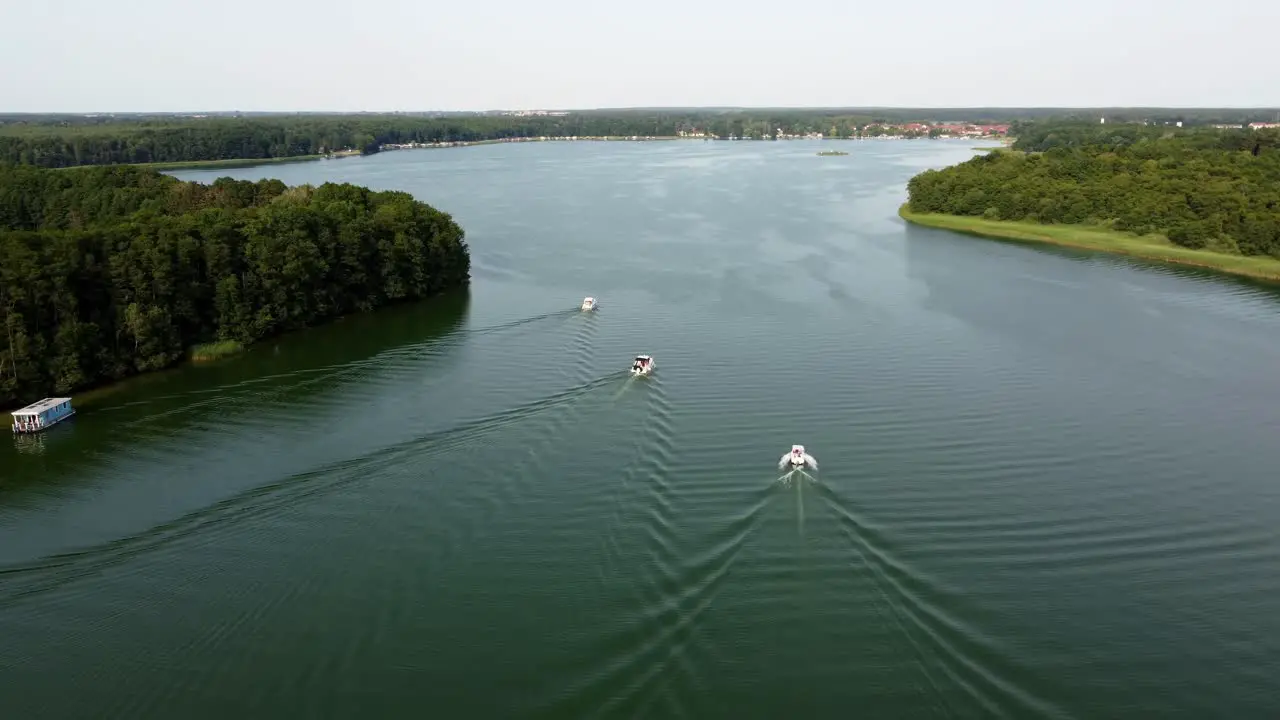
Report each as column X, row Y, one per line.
column 134, row 267
column 1202, row 188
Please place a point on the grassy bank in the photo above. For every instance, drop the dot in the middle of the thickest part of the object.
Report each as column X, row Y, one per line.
column 999, row 143
column 88, row 397
column 231, row 163
column 1148, row 247
column 444, row 144
column 215, row 350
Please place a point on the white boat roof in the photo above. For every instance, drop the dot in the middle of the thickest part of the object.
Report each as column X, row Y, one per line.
column 40, row 406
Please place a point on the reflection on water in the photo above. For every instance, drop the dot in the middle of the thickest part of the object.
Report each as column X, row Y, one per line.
column 29, row 444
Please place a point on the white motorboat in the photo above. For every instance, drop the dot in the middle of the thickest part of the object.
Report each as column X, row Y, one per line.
column 798, row 458
column 643, row 365
column 589, row 304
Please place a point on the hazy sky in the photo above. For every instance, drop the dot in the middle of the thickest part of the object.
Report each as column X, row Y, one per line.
column 173, row 55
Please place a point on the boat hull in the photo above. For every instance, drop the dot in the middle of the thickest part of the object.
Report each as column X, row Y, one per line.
column 35, row 431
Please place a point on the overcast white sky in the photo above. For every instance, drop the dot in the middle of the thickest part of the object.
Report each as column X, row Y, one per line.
column 184, row 55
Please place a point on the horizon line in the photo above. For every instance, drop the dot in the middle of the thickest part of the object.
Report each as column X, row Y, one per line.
column 661, row 108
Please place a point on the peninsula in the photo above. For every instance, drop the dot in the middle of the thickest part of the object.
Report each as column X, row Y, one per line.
column 1208, row 197
column 109, row 272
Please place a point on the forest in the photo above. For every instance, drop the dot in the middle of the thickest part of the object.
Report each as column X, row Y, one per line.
column 107, row 272
column 70, row 140
column 50, row 142
column 1201, row 188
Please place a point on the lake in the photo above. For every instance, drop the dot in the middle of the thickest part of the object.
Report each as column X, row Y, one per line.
column 1048, row 480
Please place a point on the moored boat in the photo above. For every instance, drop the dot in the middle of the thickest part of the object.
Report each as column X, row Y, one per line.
column 41, row 415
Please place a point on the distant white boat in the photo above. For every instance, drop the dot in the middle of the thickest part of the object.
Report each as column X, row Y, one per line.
column 589, row 304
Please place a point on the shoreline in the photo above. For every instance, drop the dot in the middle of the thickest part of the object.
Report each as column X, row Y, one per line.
column 390, row 147
column 253, row 162
column 226, row 163
column 219, row 351
column 1148, row 247
column 232, row 163
column 241, row 162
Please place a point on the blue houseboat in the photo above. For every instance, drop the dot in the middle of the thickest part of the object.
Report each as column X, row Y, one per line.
column 42, row 415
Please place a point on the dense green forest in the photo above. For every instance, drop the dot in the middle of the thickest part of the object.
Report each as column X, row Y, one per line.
column 108, row 272
column 1201, row 188
column 1042, row 136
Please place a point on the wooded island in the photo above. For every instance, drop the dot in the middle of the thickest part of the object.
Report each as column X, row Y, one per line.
column 112, row 271
column 1203, row 196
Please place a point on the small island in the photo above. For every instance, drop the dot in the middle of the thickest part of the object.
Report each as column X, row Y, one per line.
column 113, row 271
column 1206, row 197
column 833, row 152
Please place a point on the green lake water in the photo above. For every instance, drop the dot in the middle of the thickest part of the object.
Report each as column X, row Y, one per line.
column 1049, row 484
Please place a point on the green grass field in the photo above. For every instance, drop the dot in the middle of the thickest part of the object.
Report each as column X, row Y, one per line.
column 197, row 164
column 233, row 163
column 215, row 350
column 1149, row 247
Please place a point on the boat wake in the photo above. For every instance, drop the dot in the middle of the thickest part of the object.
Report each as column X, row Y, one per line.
column 794, row 475
column 524, row 321
column 52, row 572
column 951, row 652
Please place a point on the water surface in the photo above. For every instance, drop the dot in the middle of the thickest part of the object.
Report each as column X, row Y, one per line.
column 1048, row 483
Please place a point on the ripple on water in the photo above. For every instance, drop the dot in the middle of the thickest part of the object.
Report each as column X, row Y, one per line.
column 1047, row 484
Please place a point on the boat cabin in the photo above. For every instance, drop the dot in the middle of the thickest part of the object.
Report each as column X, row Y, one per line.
column 42, row 415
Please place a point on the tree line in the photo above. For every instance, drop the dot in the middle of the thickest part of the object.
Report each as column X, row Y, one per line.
column 1042, row 136
column 64, row 141
column 1201, row 188
column 113, row 271
column 1190, row 116
column 69, row 140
